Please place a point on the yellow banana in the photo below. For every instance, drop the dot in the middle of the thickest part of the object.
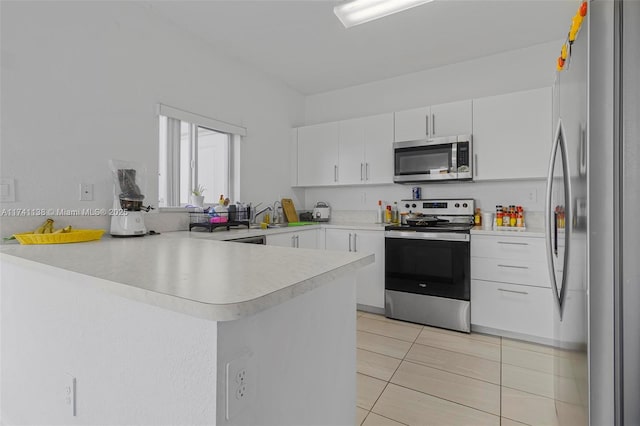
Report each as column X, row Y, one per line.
column 62, row 230
column 48, row 224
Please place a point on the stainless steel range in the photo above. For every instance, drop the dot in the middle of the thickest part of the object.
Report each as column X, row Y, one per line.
column 427, row 264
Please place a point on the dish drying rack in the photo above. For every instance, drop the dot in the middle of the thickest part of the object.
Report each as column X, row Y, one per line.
column 210, row 219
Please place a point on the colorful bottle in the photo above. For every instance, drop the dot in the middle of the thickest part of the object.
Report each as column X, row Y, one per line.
column 381, row 213
column 477, row 218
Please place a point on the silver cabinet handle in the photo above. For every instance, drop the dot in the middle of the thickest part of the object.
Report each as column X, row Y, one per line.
column 512, row 291
column 513, row 244
column 426, row 123
column 335, row 173
column 293, row 241
column 297, row 241
column 513, row 266
column 433, row 124
column 355, row 242
column 475, row 165
column 366, row 172
column 349, row 241
column 361, row 171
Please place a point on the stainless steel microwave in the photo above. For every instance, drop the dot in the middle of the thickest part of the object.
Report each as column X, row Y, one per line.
column 440, row 159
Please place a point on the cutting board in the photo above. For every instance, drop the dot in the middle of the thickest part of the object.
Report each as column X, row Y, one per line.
column 289, row 210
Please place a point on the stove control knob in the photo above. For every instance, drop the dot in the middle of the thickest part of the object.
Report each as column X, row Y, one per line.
column 406, row 206
column 465, row 205
column 413, row 205
column 457, row 205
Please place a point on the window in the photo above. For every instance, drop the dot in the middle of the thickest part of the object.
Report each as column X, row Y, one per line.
column 196, row 151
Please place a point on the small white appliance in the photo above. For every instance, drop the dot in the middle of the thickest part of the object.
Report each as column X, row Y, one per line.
column 126, row 217
column 321, row 212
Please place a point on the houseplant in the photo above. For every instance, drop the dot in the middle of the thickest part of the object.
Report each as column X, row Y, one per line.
column 197, row 199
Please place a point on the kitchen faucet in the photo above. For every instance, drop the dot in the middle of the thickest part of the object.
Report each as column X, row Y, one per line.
column 259, row 212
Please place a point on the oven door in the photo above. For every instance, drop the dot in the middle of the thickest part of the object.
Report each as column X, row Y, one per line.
column 433, row 264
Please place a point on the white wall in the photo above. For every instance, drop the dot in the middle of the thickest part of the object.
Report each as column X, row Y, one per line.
column 80, row 83
column 522, row 69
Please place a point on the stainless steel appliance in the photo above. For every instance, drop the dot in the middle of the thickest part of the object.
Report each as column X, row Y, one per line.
column 439, row 159
column 603, row 68
column 321, row 212
column 427, row 264
column 258, row 239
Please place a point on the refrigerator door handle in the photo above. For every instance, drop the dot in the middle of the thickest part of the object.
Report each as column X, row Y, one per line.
column 552, row 240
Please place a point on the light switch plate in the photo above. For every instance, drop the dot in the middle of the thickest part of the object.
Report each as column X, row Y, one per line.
column 7, row 190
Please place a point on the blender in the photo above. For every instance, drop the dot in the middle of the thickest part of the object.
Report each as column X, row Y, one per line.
column 126, row 216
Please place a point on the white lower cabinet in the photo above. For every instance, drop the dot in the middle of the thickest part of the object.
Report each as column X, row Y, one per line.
column 307, row 238
column 510, row 289
column 370, row 280
column 522, row 310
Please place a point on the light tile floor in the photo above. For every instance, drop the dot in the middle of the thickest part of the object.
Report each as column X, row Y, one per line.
column 410, row 374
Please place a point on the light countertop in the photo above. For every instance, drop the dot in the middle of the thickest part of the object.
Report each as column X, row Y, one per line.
column 191, row 272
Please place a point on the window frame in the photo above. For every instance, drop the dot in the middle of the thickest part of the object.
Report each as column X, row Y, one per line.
column 171, row 156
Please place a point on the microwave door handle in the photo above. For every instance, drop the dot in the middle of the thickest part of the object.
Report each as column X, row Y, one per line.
column 475, row 165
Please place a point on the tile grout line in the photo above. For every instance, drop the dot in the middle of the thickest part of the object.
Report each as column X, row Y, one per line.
column 394, row 372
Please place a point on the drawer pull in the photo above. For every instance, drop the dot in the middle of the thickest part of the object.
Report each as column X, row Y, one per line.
column 513, row 266
column 513, row 244
column 512, row 291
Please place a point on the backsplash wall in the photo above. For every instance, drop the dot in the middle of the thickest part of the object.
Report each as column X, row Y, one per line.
column 528, row 193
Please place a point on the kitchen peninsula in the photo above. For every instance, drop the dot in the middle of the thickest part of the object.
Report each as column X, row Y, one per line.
column 176, row 330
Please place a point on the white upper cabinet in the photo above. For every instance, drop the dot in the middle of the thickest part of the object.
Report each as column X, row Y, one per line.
column 412, row 124
column 378, row 148
column 349, row 152
column 512, row 135
column 450, row 119
column 318, row 154
column 366, row 150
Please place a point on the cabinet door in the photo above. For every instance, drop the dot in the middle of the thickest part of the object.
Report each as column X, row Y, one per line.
column 281, row 240
column 338, row 239
column 518, row 309
column 351, row 158
column 370, row 281
column 412, row 124
column 451, row 119
column 293, row 157
column 512, row 135
column 378, row 149
column 318, row 154
column 307, row 239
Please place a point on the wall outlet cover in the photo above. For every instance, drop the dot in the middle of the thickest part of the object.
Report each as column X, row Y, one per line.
column 241, row 381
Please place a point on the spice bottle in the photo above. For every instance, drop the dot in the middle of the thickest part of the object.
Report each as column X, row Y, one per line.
column 381, row 213
column 499, row 215
column 477, row 218
column 520, row 217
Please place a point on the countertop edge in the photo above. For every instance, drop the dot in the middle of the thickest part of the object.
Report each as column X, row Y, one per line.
column 195, row 308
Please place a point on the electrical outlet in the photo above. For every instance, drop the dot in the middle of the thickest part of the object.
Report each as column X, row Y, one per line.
column 70, row 393
column 532, row 196
column 241, row 384
column 86, row 192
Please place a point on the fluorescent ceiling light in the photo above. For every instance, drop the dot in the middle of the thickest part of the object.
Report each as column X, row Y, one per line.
column 360, row 11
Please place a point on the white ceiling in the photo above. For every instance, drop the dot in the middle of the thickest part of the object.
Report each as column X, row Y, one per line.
column 302, row 43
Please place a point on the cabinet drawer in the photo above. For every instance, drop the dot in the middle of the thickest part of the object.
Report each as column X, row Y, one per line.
column 510, row 271
column 508, row 247
column 515, row 308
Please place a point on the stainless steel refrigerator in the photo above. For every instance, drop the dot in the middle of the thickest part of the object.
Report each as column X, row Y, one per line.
column 593, row 237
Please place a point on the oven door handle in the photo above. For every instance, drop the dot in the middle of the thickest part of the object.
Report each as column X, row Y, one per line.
column 434, row 236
